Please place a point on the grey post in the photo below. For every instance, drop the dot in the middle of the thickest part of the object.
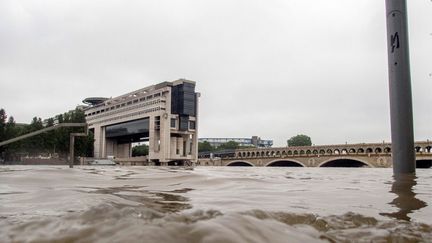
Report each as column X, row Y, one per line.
column 401, row 114
column 71, row 150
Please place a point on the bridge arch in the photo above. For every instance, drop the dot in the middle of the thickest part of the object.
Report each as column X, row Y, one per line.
column 345, row 162
column 240, row 163
column 284, row 163
column 424, row 163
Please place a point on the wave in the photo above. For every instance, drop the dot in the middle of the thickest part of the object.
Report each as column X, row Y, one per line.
column 124, row 223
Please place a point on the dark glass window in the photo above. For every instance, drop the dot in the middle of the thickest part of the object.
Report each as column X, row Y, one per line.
column 192, row 125
column 183, row 99
column 184, row 123
column 173, row 122
column 138, row 127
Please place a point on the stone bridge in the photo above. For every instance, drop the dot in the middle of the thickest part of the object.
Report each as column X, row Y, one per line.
column 344, row 155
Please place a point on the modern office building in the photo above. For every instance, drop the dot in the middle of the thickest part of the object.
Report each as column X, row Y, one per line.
column 165, row 115
column 255, row 141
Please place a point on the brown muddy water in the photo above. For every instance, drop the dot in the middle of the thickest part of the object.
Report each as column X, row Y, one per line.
column 213, row 204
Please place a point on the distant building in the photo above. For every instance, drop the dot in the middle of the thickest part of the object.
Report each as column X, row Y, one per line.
column 255, row 141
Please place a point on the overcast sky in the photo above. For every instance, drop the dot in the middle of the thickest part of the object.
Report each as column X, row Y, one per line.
column 272, row 68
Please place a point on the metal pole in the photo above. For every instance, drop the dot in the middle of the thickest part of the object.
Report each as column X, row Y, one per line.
column 400, row 88
column 71, row 150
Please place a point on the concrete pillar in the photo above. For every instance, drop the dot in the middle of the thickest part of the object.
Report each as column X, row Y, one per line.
column 165, row 135
column 188, row 144
column 124, row 150
column 180, row 145
column 110, row 144
column 103, row 143
column 151, row 138
column 97, row 142
column 173, row 146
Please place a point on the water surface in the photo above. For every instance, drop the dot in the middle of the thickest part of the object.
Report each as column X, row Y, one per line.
column 213, row 204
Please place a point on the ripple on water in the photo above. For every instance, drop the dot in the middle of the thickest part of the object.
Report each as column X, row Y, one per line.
column 122, row 223
column 97, row 204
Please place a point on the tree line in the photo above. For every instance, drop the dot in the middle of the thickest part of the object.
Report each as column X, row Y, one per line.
column 54, row 142
column 207, row 147
column 298, row 140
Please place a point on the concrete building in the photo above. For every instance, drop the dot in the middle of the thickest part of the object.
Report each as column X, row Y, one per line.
column 255, row 141
column 165, row 115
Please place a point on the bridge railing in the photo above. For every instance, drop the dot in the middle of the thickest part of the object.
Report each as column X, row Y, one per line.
column 329, row 150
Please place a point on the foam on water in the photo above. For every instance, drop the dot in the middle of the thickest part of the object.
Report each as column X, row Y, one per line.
column 150, row 204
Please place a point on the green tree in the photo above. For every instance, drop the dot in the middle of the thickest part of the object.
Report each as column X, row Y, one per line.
column 83, row 145
column 2, row 129
column 140, row 150
column 56, row 141
column 3, row 118
column 205, row 147
column 299, row 140
column 228, row 145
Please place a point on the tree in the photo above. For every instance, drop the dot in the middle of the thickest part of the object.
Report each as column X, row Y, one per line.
column 299, row 140
column 3, row 118
column 140, row 150
column 205, row 147
column 56, row 141
column 228, row 145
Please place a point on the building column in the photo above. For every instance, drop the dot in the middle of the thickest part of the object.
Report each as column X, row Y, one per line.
column 97, row 142
column 165, row 137
column 103, row 143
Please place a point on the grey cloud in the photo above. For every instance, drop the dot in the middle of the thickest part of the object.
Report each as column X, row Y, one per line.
column 275, row 68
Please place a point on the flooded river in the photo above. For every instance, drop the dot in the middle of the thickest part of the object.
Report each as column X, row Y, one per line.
column 213, row 204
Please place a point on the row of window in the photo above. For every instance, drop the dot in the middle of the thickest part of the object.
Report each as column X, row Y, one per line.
column 92, row 115
column 127, row 103
column 130, row 115
column 191, row 124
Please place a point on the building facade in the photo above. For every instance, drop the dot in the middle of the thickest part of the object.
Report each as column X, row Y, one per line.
column 165, row 115
column 255, row 141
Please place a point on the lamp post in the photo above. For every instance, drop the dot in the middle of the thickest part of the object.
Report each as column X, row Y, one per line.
column 400, row 88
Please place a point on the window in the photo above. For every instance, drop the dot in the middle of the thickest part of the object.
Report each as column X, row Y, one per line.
column 173, row 122
column 192, row 125
column 184, row 123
